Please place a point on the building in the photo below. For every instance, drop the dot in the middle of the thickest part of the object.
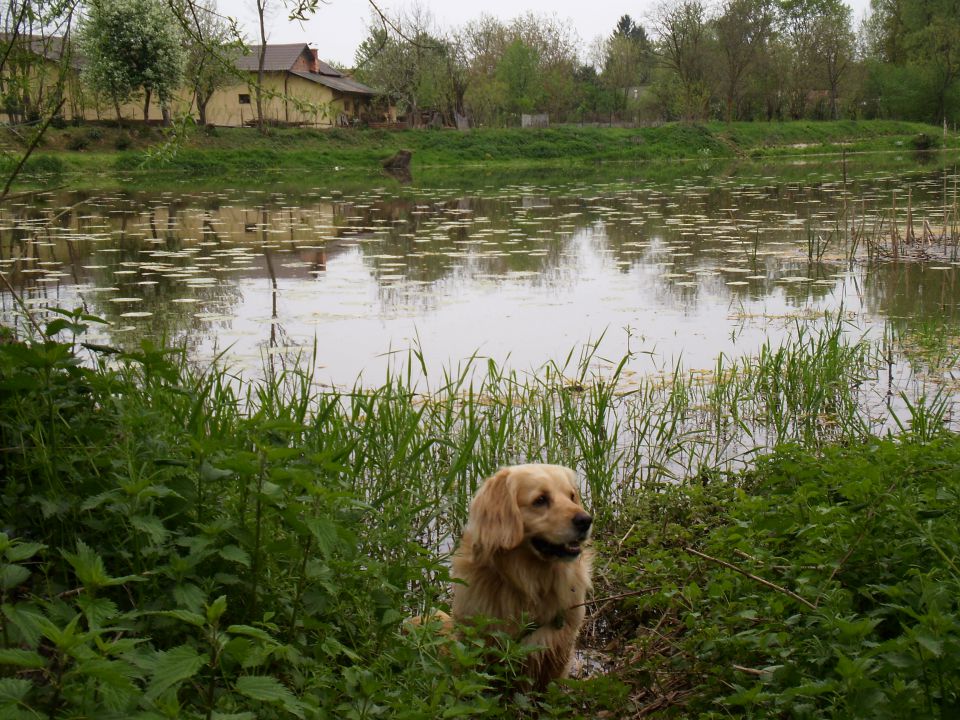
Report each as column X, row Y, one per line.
column 298, row 89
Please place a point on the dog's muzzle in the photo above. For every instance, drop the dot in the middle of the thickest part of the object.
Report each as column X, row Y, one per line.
column 565, row 551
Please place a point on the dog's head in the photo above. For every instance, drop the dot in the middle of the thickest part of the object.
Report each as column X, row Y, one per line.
column 537, row 505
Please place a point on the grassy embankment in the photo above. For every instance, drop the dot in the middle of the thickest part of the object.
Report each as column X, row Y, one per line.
column 175, row 544
column 105, row 155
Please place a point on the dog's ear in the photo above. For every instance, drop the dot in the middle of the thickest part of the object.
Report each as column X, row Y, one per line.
column 494, row 516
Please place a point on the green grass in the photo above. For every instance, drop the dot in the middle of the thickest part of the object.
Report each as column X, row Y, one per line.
column 175, row 541
column 330, row 157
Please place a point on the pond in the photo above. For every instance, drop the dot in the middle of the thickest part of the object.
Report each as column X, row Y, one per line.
column 524, row 274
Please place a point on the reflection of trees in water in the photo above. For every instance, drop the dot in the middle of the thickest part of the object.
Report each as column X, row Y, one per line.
column 910, row 293
column 429, row 242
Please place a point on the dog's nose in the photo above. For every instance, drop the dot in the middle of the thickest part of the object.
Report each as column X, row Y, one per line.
column 582, row 522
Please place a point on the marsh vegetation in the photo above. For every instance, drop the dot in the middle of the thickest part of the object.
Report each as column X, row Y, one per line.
column 203, row 529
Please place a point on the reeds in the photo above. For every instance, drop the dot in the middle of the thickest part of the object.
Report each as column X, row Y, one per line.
column 411, row 449
column 908, row 231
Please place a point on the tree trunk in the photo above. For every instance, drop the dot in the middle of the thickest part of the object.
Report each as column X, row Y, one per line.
column 261, row 8
column 146, row 104
column 202, row 110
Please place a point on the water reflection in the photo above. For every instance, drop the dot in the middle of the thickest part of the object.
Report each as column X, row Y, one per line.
column 525, row 272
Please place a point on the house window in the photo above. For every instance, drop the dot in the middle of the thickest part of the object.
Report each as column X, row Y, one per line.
column 244, row 99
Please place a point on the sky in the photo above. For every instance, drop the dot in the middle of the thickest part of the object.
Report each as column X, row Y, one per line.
column 339, row 26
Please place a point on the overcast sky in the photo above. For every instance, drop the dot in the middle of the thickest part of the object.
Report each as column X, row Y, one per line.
column 339, row 26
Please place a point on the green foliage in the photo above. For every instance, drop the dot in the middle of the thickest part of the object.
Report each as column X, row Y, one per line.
column 859, row 617
column 914, row 73
column 172, row 548
column 132, row 46
column 518, row 71
column 176, row 543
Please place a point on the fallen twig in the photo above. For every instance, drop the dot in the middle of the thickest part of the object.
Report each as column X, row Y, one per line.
column 632, row 593
column 766, row 583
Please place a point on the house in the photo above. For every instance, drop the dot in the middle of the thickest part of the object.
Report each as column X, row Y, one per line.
column 28, row 87
column 298, row 89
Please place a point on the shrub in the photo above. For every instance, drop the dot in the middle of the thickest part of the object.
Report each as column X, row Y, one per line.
column 78, row 141
column 846, row 599
column 162, row 551
column 923, row 142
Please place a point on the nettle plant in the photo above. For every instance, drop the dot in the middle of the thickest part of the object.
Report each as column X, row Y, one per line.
column 169, row 548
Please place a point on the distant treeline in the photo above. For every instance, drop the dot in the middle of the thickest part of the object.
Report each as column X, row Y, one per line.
column 686, row 60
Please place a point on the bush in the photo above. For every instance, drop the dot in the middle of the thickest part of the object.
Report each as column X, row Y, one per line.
column 163, row 552
column 923, row 142
column 78, row 141
column 847, row 602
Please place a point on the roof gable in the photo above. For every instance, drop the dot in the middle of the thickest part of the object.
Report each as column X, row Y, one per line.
column 276, row 57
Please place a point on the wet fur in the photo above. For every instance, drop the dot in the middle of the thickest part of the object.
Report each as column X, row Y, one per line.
column 506, row 578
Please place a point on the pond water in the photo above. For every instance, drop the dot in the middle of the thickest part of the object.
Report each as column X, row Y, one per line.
column 523, row 274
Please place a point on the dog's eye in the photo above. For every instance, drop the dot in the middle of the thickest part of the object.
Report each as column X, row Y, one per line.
column 573, row 496
column 542, row 500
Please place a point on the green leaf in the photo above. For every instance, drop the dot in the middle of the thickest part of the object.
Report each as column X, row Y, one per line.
column 173, row 667
column 253, row 632
column 459, row 711
column 114, row 673
column 21, row 658
column 209, row 473
column 324, row 531
column 151, row 526
column 13, row 691
column 236, row 554
column 334, row 648
column 29, row 621
column 97, row 610
column 189, row 596
column 88, row 566
column 191, row 618
column 269, row 690
column 22, row 551
column 13, row 575
column 930, row 644
column 216, row 609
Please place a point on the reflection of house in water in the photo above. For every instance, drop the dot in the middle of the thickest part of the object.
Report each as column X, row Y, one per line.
column 126, row 243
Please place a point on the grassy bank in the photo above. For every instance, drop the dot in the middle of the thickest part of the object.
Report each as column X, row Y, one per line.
column 178, row 543
column 324, row 157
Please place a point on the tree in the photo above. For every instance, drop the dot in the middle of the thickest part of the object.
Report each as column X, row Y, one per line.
column 835, row 36
column 214, row 44
column 518, row 71
column 132, row 46
column 34, row 57
column 820, row 41
column 743, row 29
column 34, row 35
column 627, row 28
column 627, row 60
column 409, row 63
column 682, row 44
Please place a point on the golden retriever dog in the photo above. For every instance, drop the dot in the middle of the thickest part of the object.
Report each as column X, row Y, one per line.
column 522, row 562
